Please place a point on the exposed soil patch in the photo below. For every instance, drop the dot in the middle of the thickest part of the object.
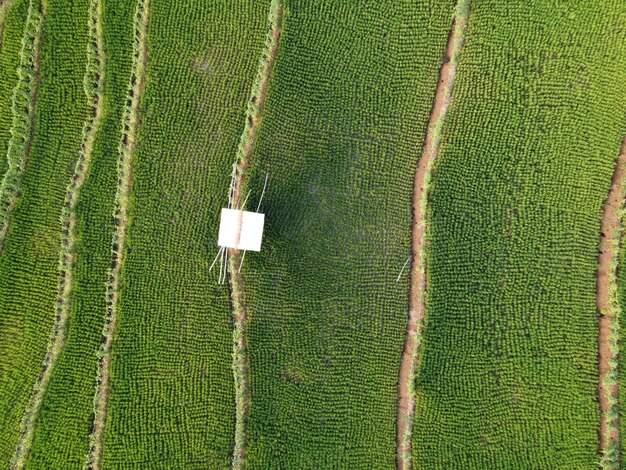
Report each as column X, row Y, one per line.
column 406, row 395
column 609, row 309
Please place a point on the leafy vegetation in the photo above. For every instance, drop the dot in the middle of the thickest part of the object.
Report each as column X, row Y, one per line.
column 12, row 20
column 29, row 262
column 23, row 102
column 120, row 122
column 172, row 395
column 62, row 432
column 340, row 137
column 509, row 369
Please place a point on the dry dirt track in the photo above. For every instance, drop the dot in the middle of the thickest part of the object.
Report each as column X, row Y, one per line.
column 606, row 301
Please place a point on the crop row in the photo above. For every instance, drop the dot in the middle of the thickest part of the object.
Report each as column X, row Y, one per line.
column 93, row 81
column 509, row 369
column 127, row 149
column 340, row 137
column 12, row 20
column 171, row 402
column 29, row 264
column 258, row 96
column 23, row 100
column 421, row 187
column 62, row 434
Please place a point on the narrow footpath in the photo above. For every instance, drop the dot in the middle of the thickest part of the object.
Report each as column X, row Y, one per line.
column 245, row 151
column 609, row 309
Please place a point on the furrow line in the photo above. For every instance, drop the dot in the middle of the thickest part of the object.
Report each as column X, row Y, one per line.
column 24, row 102
column 413, row 338
column 94, row 77
column 128, row 143
column 609, row 309
column 243, row 160
column 93, row 83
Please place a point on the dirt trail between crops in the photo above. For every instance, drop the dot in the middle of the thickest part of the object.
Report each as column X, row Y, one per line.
column 241, row 362
column 406, row 398
column 606, row 277
column 131, row 123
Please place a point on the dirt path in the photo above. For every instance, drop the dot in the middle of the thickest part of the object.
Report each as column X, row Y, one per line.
column 406, row 393
column 241, row 371
column 130, row 122
column 24, row 104
column 607, row 303
column 95, row 74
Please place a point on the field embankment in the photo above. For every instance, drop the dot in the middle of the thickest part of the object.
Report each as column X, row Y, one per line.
column 62, row 432
column 131, row 121
column 340, row 136
column 12, row 21
column 410, row 355
column 93, row 81
column 245, row 151
column 23, row 100
column 609, row 309
column 174, row 334
column 509, row 370
column 30, row 260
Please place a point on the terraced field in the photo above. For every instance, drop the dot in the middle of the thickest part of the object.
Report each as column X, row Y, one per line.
column 440, row 284
column 326, row 315
column 509, row 372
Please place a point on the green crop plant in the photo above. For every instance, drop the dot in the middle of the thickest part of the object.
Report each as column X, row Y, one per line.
column 254, row 113
column 23, row 114
column 61, row 438
column 94, row 77
column 509, row 370
column 126, row 154
column 174, row 338
column 12, row 20
column 50, row 109
column 341, row 135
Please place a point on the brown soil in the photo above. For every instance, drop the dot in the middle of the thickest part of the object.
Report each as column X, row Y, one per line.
column 606, row 275
column 406, row 399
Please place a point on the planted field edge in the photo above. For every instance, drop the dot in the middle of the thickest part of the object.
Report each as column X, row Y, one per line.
column 4, row 10
column 128, row 142
column 413, row 338
column 24, row 101
column 609, row 309
column 242, row 164
column 93, row 82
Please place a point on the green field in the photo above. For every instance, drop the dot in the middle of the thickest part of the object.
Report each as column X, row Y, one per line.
column 172, row 398
column 120, row 124
column 509, row 370
column 345, row 117
column 12, row 20
column 29, row 261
